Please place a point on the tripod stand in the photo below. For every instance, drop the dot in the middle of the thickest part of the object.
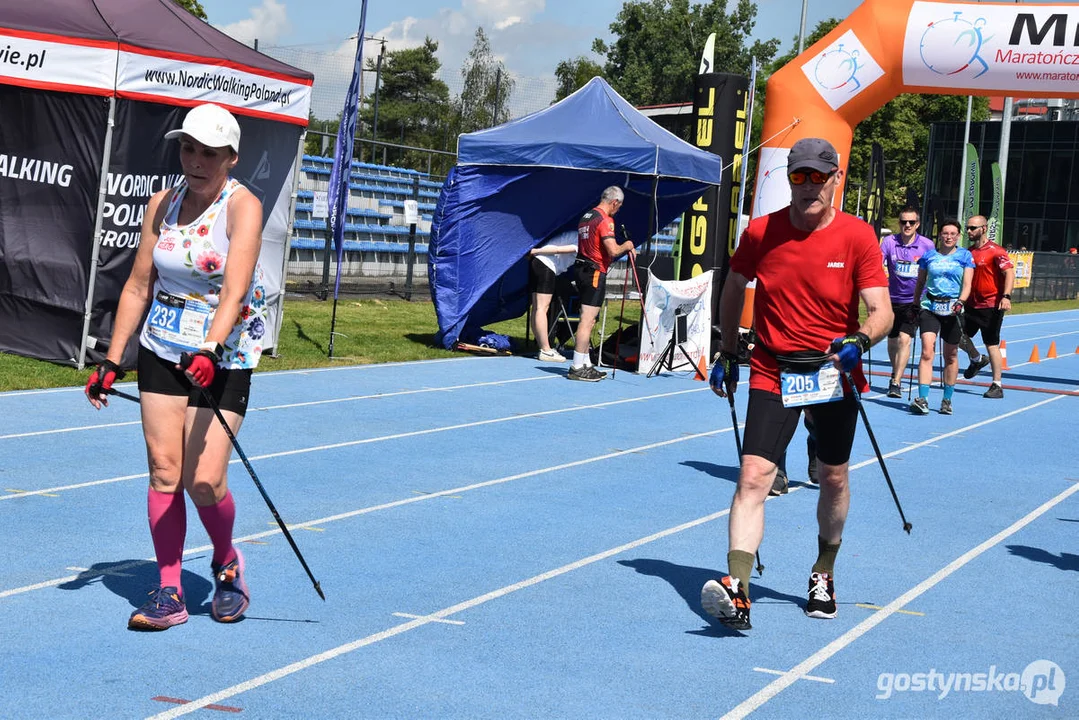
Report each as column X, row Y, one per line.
column 667, row 354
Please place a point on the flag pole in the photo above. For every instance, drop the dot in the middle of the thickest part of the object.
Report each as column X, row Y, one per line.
column 338, row 190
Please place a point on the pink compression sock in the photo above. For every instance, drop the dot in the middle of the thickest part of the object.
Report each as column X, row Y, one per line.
column 218, row 520
column 168, row 526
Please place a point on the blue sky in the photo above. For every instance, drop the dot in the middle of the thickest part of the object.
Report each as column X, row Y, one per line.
column 530, row 36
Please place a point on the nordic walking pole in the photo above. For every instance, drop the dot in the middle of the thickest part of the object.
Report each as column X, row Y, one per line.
column 876, row 449
column 915, row 361
column 621, row 312
column 738, row 447
column 251, row 471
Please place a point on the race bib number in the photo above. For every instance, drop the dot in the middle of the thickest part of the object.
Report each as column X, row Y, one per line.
column 178, row 321
column 941, row 307
column 812, row 388
column 906, row 269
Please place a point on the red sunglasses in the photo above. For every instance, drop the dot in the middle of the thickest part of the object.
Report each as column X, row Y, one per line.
column 799, row 177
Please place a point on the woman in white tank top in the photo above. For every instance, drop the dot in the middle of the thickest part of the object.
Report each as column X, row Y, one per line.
column 197, row 282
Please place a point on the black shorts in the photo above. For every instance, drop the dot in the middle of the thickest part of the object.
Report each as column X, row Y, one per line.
column 946, row 327
column 986, row 320
column 230, row 388
column 541, row 278
column 770, row 427
column 906, row 319
column 591, row 283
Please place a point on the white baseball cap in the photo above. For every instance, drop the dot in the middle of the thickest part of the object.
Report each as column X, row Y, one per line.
column 212, row 125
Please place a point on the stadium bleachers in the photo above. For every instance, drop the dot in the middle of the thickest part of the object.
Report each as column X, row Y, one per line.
column 376, row 240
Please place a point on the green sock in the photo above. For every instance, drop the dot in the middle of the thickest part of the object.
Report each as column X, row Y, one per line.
column 826, row 556
column 740, row 565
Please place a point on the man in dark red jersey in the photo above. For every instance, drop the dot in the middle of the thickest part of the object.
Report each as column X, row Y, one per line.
column 597, row 248
column 812, row 263
column 990, row 297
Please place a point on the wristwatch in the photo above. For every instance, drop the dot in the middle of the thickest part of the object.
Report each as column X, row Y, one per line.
column 1007, row 296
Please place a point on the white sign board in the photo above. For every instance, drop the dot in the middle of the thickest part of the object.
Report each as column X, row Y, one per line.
column 412, row 212
column 321, row 206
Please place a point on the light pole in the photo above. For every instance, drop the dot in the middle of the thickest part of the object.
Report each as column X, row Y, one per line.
column 802, row 29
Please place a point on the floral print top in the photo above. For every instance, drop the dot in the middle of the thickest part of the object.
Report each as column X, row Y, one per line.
column 190, row 262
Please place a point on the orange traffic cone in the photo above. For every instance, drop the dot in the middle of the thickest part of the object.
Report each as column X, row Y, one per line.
column 1034, row 357
column 1052, row 350
column 1004, row 354
column 702, row 369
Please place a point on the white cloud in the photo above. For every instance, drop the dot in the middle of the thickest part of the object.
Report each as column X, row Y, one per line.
column 267, row 23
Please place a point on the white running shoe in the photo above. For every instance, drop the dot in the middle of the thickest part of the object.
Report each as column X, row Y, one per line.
column 551, row 355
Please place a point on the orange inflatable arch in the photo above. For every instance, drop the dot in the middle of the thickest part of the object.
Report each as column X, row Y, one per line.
column 888, row 47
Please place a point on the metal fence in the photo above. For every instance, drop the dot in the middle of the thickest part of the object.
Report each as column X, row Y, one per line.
column 1053, row 276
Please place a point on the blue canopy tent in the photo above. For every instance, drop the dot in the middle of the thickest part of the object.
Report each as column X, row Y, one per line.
column 517, row 184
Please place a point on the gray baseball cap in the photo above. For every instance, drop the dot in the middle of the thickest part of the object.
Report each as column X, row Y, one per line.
column 813, row 153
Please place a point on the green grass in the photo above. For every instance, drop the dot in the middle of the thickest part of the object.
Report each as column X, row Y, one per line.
column 369, row 330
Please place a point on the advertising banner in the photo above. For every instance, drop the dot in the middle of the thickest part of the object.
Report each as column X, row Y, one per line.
column 48, row 171
column 992, row 48
column 665, row 301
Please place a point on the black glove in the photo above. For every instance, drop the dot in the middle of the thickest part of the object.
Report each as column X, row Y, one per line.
column 724, row 378
column 101, row 380
column 850, row 349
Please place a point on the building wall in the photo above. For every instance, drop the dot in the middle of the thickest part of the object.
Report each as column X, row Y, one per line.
column 1041, row 193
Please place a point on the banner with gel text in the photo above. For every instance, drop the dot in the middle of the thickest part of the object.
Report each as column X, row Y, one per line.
column 690, row 297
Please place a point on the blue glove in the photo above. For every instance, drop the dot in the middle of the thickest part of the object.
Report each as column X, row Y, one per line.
column 850, row 349
column 724, row 374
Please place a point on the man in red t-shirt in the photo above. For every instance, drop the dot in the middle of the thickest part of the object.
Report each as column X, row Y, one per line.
column 990, row 297
column 597, row 248
column 812, row 264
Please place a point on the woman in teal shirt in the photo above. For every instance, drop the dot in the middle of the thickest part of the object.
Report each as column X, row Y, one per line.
column 944, row 275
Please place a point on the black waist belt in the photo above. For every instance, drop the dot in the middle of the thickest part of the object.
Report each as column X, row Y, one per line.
column 799, row 361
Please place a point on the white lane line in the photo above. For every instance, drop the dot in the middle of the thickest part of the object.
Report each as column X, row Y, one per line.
column 424, row 617
column 367, row 441
column 784, row 681
column 387, row 506
column 266, row 374
column 433, row 617
column 310, row 403
column 816, row 659
column 1042, row 337
column 804, row 677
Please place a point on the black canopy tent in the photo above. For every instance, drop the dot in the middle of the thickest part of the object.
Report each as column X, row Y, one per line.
column 87, row 89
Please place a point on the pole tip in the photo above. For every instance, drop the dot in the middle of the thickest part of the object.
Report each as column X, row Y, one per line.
column 907, row 527
column 318, row 589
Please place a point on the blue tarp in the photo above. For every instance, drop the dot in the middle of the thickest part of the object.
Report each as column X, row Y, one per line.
column 517, row 184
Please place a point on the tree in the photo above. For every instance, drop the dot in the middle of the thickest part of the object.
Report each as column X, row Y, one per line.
column 484, row 99
column 413, row 104
column 656, row 53
column 192, row 6
column 573, row 74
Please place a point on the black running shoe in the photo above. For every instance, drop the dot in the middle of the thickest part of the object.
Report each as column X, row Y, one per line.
column 587, row 373
column 894, row 390
column 821, row 596
column 995, row 392
column 920, row 406
column 779, row 485
column 725, row 600
column 976, row 367
column 945, row 407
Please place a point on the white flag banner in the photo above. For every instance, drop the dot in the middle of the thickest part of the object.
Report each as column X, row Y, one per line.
column 665, row 300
